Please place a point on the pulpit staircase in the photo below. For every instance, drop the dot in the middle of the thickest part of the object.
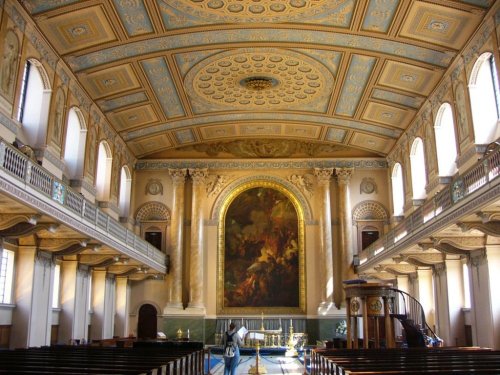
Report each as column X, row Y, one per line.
column 410, row 314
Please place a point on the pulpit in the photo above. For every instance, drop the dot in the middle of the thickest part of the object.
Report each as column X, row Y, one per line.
column 370, row 304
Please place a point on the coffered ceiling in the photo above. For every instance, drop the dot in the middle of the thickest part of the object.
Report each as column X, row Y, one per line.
column 251, row 78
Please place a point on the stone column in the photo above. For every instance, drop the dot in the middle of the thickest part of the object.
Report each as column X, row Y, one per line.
column 456, row 301
column 103, row 305
column 32, row 317
column 74, row 317
column 440, row 282
column 177, row 235
column 484, row 278
column 326, row 260
column 343, row 258
column 426, row 294
column 196, row 289
column 122, row 306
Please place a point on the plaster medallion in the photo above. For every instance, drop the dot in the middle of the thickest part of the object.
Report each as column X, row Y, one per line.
column 259, row 78
column 256, row 10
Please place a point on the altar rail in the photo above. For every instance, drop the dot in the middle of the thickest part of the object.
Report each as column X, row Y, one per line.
column 26, row 173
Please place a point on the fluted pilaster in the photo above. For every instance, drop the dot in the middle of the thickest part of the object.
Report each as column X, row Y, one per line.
column 343, row 258
column 323, row 176
column 196, row 266
column 177, row 234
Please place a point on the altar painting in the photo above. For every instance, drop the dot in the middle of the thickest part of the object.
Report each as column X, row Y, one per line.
column 262, row 257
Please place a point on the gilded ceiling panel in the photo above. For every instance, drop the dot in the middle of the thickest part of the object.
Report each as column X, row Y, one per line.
column 370, row 142
column 405, row 100
column 260, row 129
column 439, row 25
column 355, row 82
column 409, row 77
column 164, row 88
column 134, row 117
column 386, row 114
column 185, row 136
column 149, row 145
column 134, row 17
column 379, row 15
column 218, row 131
column 118, row 79
column 112, row 104
column 302, row 131
column 336, row 135
column 73, row 31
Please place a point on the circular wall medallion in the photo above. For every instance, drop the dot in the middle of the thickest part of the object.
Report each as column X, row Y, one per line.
column 259, row 78
column 255, row 10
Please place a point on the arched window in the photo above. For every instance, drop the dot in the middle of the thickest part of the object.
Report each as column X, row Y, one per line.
column 125, row 187
column 103, row 176
column 74, row 150
column 446, row 147
column 484, row 97
column 418, row 175
column 34, row 103
column 398, row 196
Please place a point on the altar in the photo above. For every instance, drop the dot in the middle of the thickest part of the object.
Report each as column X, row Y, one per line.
column 275, row 332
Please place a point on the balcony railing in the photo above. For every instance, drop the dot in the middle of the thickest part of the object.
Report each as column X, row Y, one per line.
column 29, row 172
column 483, row 173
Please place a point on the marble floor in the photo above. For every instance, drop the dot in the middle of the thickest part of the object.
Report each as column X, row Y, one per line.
column 272, row 365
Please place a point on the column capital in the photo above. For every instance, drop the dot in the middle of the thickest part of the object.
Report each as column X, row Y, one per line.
column 343, row 175
column 323, row 175
column 198, row 175
column 178, row 175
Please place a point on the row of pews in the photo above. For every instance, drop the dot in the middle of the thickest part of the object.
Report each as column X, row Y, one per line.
column 414, row 361
column 143, row 358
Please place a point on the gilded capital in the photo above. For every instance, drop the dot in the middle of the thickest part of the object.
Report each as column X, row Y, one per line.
column 343, row 175
column 198, row 175
column 323, row 175
column 178, row 175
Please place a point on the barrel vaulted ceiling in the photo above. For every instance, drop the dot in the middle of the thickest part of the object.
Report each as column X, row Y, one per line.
column 258, row 78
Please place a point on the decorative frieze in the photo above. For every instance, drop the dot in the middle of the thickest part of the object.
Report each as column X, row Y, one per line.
column 261, row 164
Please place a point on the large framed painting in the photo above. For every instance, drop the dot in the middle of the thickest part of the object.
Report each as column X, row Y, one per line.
column 261, row 251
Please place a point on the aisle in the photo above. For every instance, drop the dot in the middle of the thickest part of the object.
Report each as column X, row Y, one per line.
column 274, row 365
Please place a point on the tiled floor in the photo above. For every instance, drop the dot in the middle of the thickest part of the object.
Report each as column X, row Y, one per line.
column 273, row 365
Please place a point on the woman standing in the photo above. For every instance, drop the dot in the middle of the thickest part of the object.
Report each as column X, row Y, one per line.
column 231, row 338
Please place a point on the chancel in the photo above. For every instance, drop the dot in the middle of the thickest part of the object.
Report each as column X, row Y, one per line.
column 322, row 173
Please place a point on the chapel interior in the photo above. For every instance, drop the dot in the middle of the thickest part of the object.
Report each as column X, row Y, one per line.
column 170, row 166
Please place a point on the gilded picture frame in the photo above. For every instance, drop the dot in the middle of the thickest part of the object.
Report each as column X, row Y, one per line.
column 261, row 260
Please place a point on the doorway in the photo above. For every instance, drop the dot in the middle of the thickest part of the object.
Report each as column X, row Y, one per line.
column 147, row 322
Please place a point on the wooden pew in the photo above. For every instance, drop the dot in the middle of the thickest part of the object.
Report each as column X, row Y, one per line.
column 165, row 360
column 405, row 361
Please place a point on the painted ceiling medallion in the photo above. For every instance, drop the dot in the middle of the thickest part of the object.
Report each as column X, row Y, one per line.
column 262, row 10
column 259, row 78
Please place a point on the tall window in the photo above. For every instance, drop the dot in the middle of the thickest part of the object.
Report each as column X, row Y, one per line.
column 484, row 97
column 103, row 175
column 56, row 290
column 418, row 175
column 398, row 196
column 446, row 146
column 74, row 150
column 125, row 187
column 6, row 275
column 34, row 103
